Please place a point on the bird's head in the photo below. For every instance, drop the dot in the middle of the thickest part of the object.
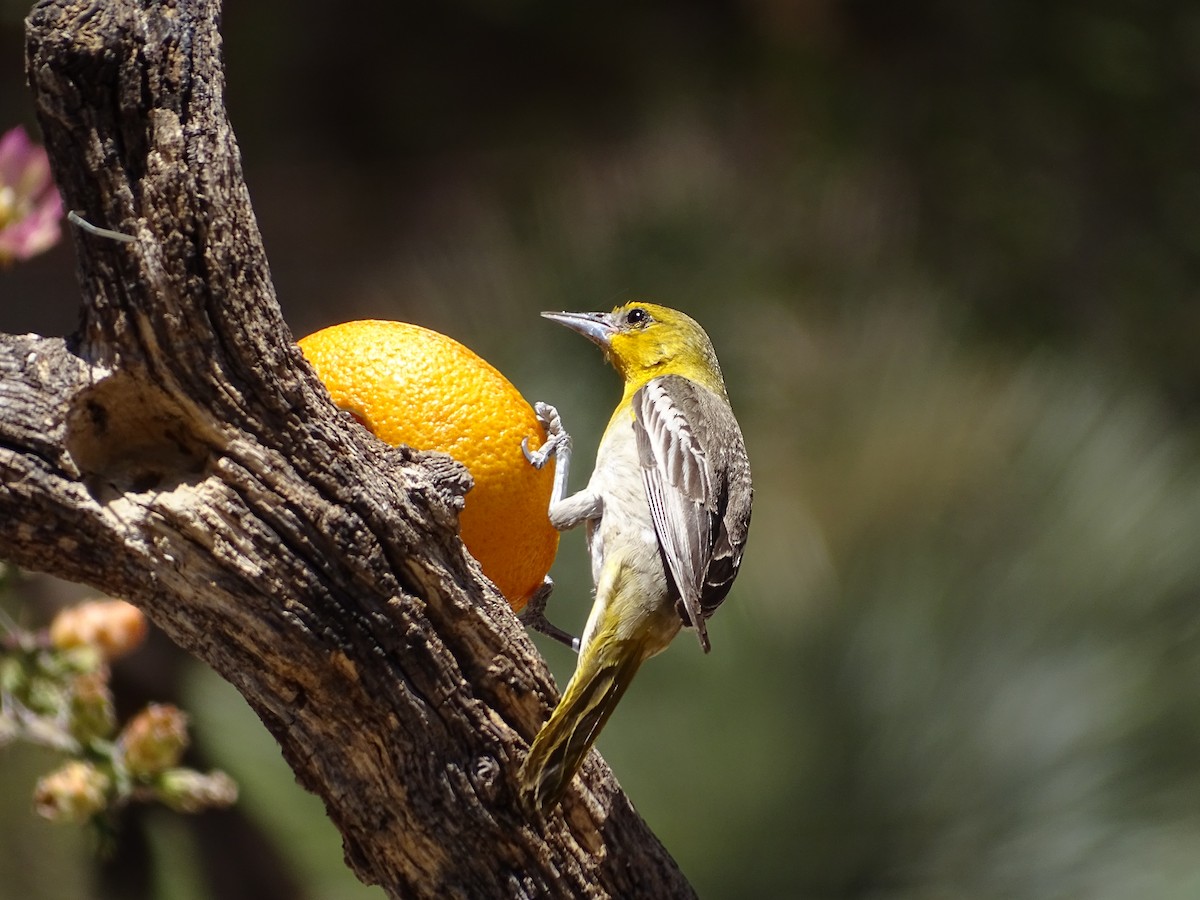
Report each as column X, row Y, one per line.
column 645, row 340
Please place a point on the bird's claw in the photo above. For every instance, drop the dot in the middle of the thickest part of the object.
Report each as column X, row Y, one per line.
column 534, row 616
column 556, row 436
column 548, row 416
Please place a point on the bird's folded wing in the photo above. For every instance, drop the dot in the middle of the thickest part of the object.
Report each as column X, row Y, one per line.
column 678, row 472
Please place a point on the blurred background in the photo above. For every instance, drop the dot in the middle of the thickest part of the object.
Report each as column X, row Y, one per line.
column 949, row 258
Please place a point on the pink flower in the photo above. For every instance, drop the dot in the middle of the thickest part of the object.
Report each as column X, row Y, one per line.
column 30, row 206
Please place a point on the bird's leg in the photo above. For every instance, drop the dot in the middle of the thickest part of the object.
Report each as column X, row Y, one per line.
column 565, row 512
column 534, row 616
column 558, row 445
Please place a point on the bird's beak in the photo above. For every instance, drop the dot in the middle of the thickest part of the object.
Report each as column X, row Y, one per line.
column 596, row 327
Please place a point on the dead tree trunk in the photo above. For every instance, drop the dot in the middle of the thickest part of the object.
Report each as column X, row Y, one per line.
column 177, row 451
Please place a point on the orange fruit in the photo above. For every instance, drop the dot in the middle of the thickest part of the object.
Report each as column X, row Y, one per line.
column 413, row 386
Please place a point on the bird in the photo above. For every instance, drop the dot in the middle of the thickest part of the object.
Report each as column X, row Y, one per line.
column 667, row 512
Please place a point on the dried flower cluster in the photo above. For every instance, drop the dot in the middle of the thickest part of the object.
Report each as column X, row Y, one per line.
column 54, row 691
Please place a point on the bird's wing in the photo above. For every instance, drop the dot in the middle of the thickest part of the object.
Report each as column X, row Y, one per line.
column 687, row 442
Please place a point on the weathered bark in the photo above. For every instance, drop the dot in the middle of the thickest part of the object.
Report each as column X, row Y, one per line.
column 177, row 451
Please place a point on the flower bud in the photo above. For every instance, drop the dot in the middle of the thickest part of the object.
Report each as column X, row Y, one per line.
column 13, row 677
column 153, row 740
column 91, row 714
column 46, row 696
column 189, row 791
column 72, row 794
column 113, row 627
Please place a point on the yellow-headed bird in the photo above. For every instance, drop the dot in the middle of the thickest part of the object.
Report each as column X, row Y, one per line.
column 667, row 511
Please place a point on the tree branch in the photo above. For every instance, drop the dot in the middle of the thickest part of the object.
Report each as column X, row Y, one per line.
column 178, row 451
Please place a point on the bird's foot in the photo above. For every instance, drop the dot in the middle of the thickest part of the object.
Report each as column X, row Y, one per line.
column 557, row 438
column 534, row 616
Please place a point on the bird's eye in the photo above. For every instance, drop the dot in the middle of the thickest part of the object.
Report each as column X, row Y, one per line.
column 637, row 316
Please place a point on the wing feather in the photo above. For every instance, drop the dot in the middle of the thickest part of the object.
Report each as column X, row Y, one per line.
column 698, row 487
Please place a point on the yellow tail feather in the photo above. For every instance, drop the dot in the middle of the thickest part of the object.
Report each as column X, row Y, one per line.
column 601, row 677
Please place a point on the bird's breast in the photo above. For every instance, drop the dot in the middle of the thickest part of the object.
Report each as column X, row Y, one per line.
column 625, row 520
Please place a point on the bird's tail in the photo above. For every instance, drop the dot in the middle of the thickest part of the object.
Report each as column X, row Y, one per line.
column 604, row 671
